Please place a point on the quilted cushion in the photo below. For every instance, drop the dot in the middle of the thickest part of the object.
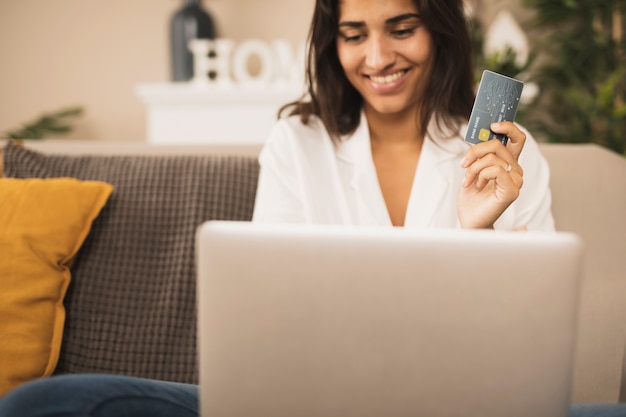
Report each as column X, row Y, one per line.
column 131, row 303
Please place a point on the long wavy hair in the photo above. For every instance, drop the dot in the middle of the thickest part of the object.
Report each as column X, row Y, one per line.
column 330, row 96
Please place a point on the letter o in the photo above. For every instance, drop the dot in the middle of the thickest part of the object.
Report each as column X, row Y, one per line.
column 240, row 62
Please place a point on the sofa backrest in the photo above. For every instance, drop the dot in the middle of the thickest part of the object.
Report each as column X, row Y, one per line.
column 588, row 186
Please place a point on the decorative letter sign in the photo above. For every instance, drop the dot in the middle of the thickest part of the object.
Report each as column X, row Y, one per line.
column 279, row 65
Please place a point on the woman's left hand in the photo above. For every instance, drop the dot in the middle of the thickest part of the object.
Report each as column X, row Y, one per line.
column 493, row 178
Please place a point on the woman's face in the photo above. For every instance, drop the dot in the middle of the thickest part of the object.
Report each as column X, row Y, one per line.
column 386, row 52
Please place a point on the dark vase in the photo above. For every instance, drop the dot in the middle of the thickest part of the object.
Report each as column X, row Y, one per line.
column 190, row 22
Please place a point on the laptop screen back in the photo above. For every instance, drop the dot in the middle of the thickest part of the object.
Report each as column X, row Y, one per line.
column 330, row 321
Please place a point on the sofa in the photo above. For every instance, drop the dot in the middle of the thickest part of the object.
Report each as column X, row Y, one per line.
column 129, row 307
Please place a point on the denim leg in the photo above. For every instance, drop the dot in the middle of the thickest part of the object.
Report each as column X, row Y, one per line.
column 100, row 396
column 598, row 410
column 120, row 396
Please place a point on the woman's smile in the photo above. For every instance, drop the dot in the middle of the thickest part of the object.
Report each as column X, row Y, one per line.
column 388, row 83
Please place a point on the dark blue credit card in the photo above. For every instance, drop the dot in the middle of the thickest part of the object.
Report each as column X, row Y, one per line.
column 497, row 100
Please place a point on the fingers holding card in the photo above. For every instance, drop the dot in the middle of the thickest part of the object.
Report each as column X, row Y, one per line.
column 493, row 177
column 496, row 101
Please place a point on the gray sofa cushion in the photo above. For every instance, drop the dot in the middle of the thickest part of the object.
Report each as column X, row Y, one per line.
column 131, row 302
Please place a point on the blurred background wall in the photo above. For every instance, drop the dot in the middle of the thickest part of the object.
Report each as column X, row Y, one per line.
column 60, row 53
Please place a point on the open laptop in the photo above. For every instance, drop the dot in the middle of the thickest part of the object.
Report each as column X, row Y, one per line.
column 337, row 321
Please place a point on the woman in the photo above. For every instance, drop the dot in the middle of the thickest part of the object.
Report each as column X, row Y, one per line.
column 379, row 142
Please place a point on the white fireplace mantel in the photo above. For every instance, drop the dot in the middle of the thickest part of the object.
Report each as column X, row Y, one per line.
column 188, row 113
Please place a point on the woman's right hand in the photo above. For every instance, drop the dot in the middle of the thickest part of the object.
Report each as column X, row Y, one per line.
column 493, row 178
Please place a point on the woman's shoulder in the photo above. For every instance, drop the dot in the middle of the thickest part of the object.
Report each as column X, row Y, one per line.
column 294, row 132
column 297, row 127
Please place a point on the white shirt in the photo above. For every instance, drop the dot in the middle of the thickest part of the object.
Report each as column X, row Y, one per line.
column 307, row 178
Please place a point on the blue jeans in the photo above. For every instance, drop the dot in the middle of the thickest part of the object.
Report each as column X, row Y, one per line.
column 119, row 396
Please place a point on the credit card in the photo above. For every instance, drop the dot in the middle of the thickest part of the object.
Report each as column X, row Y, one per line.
column 497, row 100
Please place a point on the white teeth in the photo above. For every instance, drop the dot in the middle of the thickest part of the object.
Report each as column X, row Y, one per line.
column 387, row 78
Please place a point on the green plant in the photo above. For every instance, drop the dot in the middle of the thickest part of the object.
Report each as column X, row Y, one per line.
column 55, row 123
column 582, row 77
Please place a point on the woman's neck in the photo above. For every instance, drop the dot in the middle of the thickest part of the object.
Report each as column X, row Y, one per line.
column 395, row 130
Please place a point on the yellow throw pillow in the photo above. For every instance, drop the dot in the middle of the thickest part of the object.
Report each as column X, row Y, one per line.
column 43, row 223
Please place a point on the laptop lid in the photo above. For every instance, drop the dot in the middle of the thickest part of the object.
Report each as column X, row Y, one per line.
column 331, row 321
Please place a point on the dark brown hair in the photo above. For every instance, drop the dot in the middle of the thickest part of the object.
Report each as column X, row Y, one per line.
column 331, row 97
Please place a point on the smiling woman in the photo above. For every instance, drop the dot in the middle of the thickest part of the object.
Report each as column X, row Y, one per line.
column 391, row 87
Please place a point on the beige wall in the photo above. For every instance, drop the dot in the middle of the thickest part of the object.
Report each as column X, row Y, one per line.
column 58, row 53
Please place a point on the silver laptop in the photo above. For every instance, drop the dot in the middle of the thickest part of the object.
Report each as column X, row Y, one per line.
column 336, row 321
